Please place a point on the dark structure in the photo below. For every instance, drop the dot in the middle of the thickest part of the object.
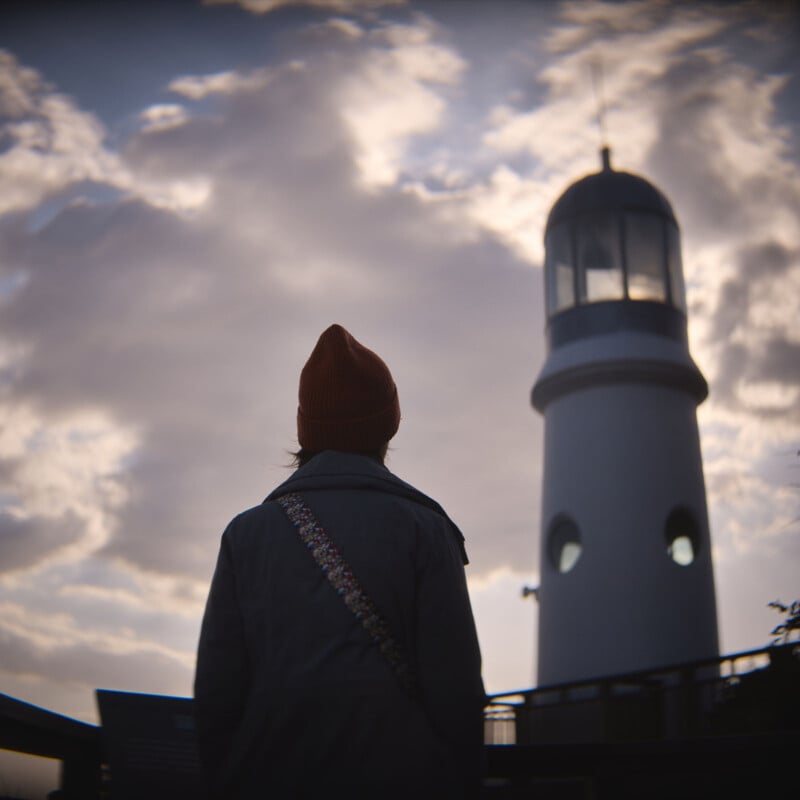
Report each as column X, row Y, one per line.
column 25, row 728
column 673, row 732
column 665, row 733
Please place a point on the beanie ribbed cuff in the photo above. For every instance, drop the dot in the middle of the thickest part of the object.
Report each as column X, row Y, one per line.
column 363, row 433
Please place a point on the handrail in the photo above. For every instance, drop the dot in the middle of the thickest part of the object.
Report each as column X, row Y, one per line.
column 638, row 675
column 26, row 728
column 674, row 701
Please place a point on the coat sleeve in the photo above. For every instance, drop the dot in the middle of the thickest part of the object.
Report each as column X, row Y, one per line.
column 220, row 680
column 448, row 656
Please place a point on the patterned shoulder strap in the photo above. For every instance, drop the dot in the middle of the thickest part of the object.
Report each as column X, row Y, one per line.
column 341, row 577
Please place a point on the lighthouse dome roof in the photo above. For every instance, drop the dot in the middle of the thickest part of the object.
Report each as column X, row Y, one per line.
column 612, row 237
column 610, row 190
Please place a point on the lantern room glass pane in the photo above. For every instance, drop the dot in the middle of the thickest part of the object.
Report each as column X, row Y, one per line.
column 646, row 257
column 559, row 270
column 599, row 258
column 675, row 268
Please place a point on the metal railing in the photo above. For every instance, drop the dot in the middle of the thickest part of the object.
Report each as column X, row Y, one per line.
column 670, row 702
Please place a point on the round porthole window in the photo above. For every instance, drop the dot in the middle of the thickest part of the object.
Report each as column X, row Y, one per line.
column 682, row 537
column 564, row 544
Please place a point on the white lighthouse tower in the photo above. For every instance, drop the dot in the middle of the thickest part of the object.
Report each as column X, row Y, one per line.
column 626, row 575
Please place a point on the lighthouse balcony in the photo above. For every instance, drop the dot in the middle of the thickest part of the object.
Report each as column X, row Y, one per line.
column 616, row 353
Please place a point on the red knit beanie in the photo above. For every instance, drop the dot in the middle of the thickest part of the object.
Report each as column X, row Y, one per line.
column 348, row 400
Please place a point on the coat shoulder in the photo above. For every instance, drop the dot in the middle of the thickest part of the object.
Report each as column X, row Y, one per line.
column 255, row 520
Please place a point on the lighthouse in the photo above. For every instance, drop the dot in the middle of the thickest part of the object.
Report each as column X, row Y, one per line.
column 626, row 575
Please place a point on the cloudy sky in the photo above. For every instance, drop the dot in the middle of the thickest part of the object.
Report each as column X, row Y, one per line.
column 191, row 192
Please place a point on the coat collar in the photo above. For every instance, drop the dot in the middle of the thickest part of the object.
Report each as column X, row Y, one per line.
column 332, row 469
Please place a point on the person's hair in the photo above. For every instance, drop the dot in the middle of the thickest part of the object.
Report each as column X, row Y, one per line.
column 302, row 456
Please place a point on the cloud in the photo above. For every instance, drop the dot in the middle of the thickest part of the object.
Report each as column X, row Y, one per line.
column 27, row 541
column 162, row 116
column 180, row 326
column 47, row 141
column 720, row 142
column 60, row 484
column 585, row 24
column 197, row 87
column 340, row 6
column 389, row 98
column 55, row 645
column 55, row 154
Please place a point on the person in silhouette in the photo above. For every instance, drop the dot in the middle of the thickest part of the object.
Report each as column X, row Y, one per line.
column 338, row 650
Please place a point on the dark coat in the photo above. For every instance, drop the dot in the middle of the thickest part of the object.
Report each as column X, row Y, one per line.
column 292, row 697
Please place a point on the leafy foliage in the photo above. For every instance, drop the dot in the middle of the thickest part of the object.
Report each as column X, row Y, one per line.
column 791, row 624
column 768, row 698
